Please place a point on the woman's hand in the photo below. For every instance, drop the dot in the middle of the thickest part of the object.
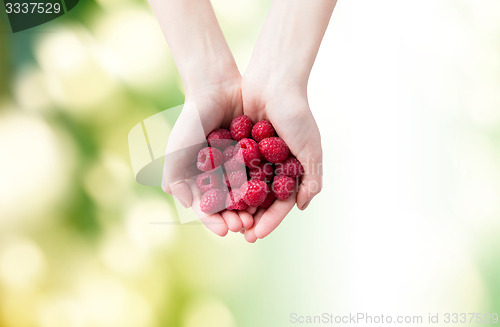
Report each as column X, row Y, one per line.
column 287, row 108
column 205, row 109
column 213, row 97
column 274, row 88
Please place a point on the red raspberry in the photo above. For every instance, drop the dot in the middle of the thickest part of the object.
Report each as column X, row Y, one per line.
column 233, row 164
column 254, row 192
column 274, row 149
column 213, row 201
column 283, row 186
column 263, row 129
column 234, row 200
column 268, row 201
column 291, row 167
column 248, row 152
column 235, row 178
column 209, row 159
column 229, row 152
column 208, row 181
column 241, row 127
column 263, row 172
column 220, row 138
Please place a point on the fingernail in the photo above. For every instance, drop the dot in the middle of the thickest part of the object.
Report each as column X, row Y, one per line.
column 182, row 203
column 304, row 207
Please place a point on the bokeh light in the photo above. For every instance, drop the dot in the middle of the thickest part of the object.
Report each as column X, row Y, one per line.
column 34, row 169
column 60, row 310
column 106, row 301
column 135, row 48
column 148, row 232
column 108, row 180
column 31, row 90
column 207, row 311
column 69, row 58
column 22, row 263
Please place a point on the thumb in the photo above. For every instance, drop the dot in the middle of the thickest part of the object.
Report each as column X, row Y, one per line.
column 182, row 192
column 312, row 181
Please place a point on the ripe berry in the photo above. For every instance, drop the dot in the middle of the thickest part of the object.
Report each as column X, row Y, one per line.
column 229, row 152
column 274, row 149
column 262, row 172
column 213, row 201
column 208, row 181
column 248, row 152
column 220, row 138
column 241, row 127
column 254, row 192
column 268, row 201
column 235, row 178
column 283, row 186
column 233, row 164
column 234, row 200
column 291, row 167
column 209, row 159
column 230, row 162
column 263, row 129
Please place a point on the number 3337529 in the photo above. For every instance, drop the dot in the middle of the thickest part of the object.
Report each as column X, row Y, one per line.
column 32, row 8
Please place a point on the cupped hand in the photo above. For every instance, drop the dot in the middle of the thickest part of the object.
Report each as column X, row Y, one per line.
column 216, row 105
column 286, row 107
column 205, row 109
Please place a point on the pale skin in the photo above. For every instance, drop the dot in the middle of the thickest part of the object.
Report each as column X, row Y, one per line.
column 274, row 87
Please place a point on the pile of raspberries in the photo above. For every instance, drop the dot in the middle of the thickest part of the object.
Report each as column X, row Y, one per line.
column 245, row 166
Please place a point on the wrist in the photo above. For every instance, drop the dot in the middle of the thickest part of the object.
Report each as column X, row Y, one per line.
column 273, row 79
column 199, row 76
column 272, row 69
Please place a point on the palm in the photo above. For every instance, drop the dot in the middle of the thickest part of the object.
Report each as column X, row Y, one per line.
column 203, row 112
column 216, row 106
column 288, row 111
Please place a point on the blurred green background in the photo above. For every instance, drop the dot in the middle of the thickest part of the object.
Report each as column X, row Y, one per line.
column 408, row 222
column 79, row 243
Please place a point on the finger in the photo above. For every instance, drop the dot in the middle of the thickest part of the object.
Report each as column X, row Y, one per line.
column 213, row 222
column 164, row 184
column 250, row 236
column 312, row 181
column 250, row 233
column 182, row 192
column 246, row 219
column 311, row 185
column 306, row 205
column 232, row 220
column 185, row 140
column 251, row 210
column 176, row 172
column 273, row 216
